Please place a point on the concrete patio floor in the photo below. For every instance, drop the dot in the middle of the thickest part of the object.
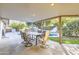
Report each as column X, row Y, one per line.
column 12, row 45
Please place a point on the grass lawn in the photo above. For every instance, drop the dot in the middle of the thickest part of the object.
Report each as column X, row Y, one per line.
column 65, row 41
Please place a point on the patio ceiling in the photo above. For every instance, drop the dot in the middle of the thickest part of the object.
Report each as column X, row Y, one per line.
column 30, row 12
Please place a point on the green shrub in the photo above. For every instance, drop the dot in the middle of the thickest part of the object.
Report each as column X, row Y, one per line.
column 14, row 25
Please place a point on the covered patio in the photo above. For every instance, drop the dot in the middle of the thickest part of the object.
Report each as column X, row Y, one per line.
column 11, row 45
column 34, row 13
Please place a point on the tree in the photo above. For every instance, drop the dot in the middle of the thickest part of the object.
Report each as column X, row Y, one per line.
column 18, row 26
column 71, row 28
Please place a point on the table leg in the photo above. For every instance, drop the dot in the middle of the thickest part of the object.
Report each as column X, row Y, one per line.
column 32, row 37
column 36, row 40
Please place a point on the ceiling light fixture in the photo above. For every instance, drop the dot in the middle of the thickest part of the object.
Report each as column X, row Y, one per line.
column 34, row 15
column 52, row 4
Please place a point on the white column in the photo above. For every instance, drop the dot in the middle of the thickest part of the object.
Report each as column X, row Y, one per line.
column 1, row 25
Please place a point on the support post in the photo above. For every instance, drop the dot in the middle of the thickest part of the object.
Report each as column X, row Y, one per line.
column 60, row 30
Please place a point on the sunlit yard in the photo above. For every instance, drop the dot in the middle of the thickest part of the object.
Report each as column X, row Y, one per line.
column 65, row 40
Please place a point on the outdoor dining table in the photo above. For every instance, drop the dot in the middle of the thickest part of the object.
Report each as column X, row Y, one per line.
column 36, row 34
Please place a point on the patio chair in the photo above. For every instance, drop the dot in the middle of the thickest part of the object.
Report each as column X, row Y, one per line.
column 27, row 41
column 45, row 38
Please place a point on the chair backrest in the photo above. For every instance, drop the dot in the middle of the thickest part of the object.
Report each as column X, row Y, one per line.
column 46, row 36
column 24, row 36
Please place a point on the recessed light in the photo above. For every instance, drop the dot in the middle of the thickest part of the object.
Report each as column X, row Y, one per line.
column 34, row 15
column 52, row 4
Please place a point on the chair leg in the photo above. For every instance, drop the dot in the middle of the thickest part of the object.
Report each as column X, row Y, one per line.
column 28, row 44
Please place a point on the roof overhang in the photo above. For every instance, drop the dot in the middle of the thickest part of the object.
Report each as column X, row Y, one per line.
column 31, row 12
